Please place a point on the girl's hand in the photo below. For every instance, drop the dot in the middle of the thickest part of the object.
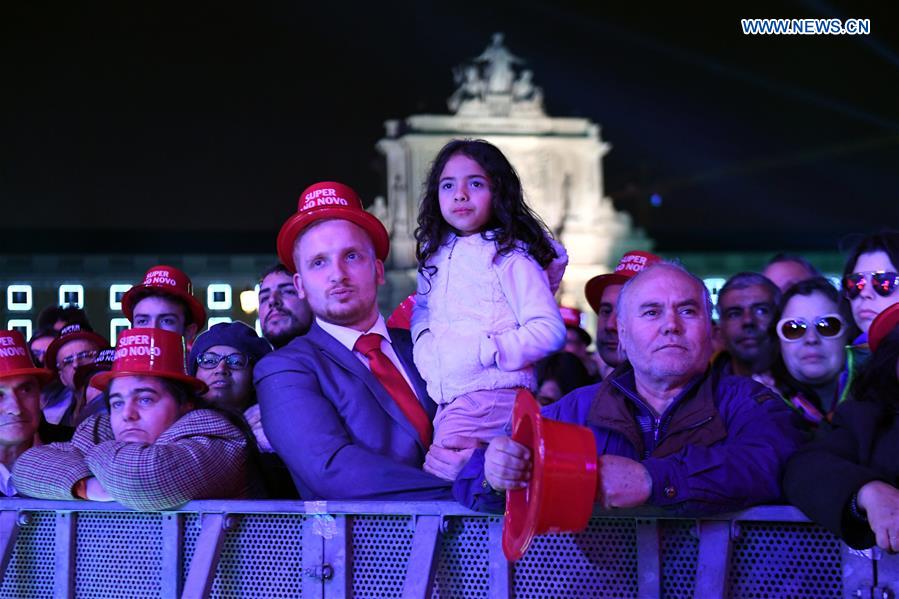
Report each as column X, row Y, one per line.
column 880, row 501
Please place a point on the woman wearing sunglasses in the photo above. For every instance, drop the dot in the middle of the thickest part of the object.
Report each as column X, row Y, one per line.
column 871, row 277
column 157, row 448
column 846, row 479
column 813, row 333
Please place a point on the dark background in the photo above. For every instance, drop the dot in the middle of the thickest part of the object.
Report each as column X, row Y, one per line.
column 148, row 126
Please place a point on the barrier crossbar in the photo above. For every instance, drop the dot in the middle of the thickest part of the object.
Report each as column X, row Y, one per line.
column 267, row 549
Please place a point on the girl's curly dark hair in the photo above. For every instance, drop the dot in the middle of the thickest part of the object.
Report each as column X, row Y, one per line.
column 511, row 221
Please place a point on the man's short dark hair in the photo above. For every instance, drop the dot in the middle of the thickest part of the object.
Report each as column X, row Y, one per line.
column 142, row 294
column 796, row 258
column 744, row 280
column 50, row 315
column 276, row 267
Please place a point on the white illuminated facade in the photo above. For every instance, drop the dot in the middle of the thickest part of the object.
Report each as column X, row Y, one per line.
column 71, row 295
column 559, row 161
column 19, row 298
column 218, row 296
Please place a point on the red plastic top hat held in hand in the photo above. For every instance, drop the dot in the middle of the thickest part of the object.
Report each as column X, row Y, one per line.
column 562, row 489
column 149, row 352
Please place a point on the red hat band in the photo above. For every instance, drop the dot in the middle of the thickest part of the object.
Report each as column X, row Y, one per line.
column 562, row 489
column 15, row 358
column 149, row 352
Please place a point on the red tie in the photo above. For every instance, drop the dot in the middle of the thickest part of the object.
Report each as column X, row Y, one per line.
column 388, row 375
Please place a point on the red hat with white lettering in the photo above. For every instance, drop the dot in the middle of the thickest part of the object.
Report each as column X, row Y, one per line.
column 15, row 359
column 73, row 332
column 165, row 280
column 149, row 352
column 630, row 264
column 324, row 200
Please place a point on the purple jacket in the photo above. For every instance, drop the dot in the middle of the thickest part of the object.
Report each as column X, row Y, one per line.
column 723, row 447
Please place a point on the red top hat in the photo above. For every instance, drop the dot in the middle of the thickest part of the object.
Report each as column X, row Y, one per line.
column 165, row 280
column 562, row 489
column 15, row 359
column 329, row 199
column 882, row 326
column 630, row 264
column 73, row 332
column 570, row 316
column 402, row 316
column 149, row 352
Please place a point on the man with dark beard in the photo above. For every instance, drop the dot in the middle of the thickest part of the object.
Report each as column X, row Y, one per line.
column 283, row 314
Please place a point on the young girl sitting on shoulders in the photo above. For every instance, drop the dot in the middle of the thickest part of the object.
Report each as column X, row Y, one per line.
column 484, row 311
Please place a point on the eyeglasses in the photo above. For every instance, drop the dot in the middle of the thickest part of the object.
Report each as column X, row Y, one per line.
column 235, row 361
column 883, row 282
column 79, row 358
column 827, row 327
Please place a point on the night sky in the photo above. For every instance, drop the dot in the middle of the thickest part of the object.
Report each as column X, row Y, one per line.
column 133, row 125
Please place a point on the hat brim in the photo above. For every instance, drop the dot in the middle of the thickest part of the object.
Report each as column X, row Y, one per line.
column 102, row 381
column 197, row 312
column 296, row 223
column 520, row 519
column 882, row 326
column 595, row 286
column 43, row 375
column 59, row 342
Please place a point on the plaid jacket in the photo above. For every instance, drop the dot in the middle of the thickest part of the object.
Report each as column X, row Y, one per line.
column 201, row 455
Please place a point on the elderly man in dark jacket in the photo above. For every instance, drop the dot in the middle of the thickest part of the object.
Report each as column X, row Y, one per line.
column 669, row 431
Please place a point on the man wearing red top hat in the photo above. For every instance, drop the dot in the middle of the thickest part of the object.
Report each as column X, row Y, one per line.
column 343, row 405
column 20, row 396
column 577, row 340
column 668, row 430
column 155, row 449
column 76, row 345
column 602, row 295
column 165, row 300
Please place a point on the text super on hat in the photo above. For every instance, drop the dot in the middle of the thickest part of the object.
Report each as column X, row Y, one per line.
column 329, row 199
column 15, row 359
column 73, row 332
column 630, row 264
column 149, row 352
column 165, row 280
column 102, row 363
column 885, row 323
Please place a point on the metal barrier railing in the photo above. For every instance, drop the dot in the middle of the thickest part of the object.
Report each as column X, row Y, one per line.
column 270, row 549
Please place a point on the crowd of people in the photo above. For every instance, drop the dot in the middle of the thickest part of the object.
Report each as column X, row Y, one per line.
column 790, row 394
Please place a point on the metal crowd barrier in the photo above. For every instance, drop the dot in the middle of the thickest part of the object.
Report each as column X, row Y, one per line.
column 273, row 549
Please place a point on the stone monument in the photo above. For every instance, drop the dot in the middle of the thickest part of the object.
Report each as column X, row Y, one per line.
column 558, row 160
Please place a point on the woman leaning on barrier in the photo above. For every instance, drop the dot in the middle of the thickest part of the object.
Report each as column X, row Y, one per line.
column 847, row 479
column 156, row 449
